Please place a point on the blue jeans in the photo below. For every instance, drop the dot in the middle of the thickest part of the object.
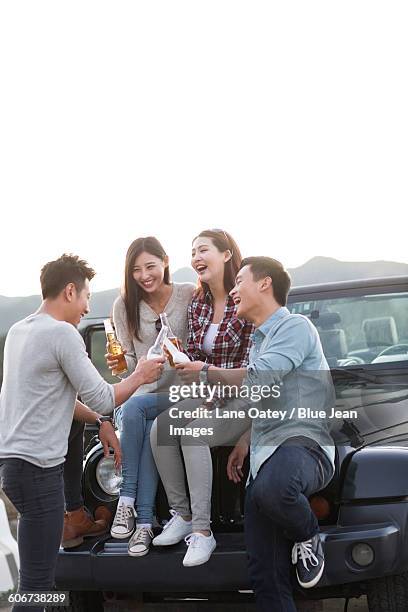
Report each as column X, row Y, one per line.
column 38, row 495
column 277, row 514
column 73, row 467
column 140, row 476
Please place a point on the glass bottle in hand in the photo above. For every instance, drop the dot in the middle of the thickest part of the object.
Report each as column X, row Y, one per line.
column 157, row 349
column 115, row 348
column 171, row 336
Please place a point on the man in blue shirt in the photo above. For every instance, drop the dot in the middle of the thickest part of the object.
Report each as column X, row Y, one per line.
column 292, row 455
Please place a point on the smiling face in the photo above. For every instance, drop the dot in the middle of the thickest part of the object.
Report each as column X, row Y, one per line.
column 148, row 271
column 78, row 302
column 208, row 261
column 246, row 293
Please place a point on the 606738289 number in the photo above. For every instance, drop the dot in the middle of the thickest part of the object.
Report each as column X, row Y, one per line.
column 27, row 598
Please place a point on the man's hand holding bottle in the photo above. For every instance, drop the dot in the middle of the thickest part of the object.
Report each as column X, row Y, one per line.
column 148, row 370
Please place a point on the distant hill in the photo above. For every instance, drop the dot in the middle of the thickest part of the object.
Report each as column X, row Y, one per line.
column 316, row 270
column 326, row 269
column 13, row 309
column 184, row 275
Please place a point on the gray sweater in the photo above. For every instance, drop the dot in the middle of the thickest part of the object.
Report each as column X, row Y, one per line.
column 45, row 366
column 176, row 310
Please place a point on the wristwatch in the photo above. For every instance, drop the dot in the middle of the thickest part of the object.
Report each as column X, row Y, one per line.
column 203, row 374
column 103, row 419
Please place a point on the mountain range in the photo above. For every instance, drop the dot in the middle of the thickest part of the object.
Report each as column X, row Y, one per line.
column 316, row 270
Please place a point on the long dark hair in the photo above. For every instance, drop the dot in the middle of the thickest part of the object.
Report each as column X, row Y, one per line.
column 131, row 292
column 223, row 241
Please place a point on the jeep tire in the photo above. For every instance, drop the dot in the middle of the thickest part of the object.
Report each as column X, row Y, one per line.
column 388, row 594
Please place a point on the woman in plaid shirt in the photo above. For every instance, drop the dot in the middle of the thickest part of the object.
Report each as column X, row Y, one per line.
column 216, row 337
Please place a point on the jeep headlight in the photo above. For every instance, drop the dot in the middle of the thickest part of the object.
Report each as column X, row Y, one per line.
column 362, row 554
column 106, row 476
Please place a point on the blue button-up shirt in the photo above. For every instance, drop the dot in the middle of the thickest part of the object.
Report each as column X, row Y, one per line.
column 286, row 351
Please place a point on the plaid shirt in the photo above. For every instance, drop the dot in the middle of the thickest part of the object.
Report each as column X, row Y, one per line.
column 234, row 336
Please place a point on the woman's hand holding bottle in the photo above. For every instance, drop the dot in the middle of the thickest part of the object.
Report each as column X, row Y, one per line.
column 114, row 348
column 189, row 372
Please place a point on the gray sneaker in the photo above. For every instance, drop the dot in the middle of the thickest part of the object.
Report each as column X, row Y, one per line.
column 140, row 541
column 124, row 522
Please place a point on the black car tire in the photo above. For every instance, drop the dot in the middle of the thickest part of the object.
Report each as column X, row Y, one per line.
column 389, row 594
column 82, row 601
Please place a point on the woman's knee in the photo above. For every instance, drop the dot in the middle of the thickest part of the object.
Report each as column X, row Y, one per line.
column 194, row 440
column 153, row 432
column 165, row 425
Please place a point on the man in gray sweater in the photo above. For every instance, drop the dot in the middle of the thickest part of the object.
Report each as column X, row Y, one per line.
column 45, row 367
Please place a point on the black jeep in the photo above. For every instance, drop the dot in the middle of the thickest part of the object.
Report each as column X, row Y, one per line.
column 363, row 513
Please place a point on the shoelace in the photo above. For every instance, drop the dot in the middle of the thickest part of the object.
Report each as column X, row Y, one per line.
column 192, row 539
column 304, row 551
column 174, row 515
column 122, row 513
column 140, row 535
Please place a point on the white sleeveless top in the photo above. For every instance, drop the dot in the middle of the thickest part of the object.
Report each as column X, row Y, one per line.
column 208, row 339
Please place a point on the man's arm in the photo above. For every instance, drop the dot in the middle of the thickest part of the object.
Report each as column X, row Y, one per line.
column 84, row 414
column 146, row 371
column 285, row 352
column 225, row 376
column 89, row 384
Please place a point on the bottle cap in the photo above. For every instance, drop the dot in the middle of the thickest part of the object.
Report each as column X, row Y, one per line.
column 108, row 326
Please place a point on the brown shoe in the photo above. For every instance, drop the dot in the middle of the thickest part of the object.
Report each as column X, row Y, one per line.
column 78, row 525
column 102, row 513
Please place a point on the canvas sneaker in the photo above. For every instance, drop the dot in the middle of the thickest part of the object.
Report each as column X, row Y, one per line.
column 309, row 560
column 174, row 531
column 140, row 541
column 199, row 549
column 124, row 522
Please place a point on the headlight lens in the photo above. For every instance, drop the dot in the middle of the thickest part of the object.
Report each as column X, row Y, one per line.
column 362, row 554
column 106, row 477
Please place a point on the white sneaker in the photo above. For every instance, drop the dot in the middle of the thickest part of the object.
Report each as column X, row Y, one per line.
column 140, row 541
column 174, row 531
column 199, row 550
column 124, row 522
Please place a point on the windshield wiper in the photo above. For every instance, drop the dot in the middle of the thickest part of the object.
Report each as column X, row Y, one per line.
column 357, row 375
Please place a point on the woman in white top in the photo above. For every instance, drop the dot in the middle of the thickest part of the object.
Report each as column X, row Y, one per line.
column 216, row 337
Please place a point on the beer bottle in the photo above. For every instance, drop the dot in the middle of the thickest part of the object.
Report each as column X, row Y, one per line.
column 115, row 348
column 176, row 355
column 171, row 336
column 157, row 349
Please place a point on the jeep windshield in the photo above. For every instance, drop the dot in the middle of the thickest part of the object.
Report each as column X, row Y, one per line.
column 371, row 328
column 363, row 329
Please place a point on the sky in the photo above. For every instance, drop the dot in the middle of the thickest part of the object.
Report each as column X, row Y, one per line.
column 284, row 123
